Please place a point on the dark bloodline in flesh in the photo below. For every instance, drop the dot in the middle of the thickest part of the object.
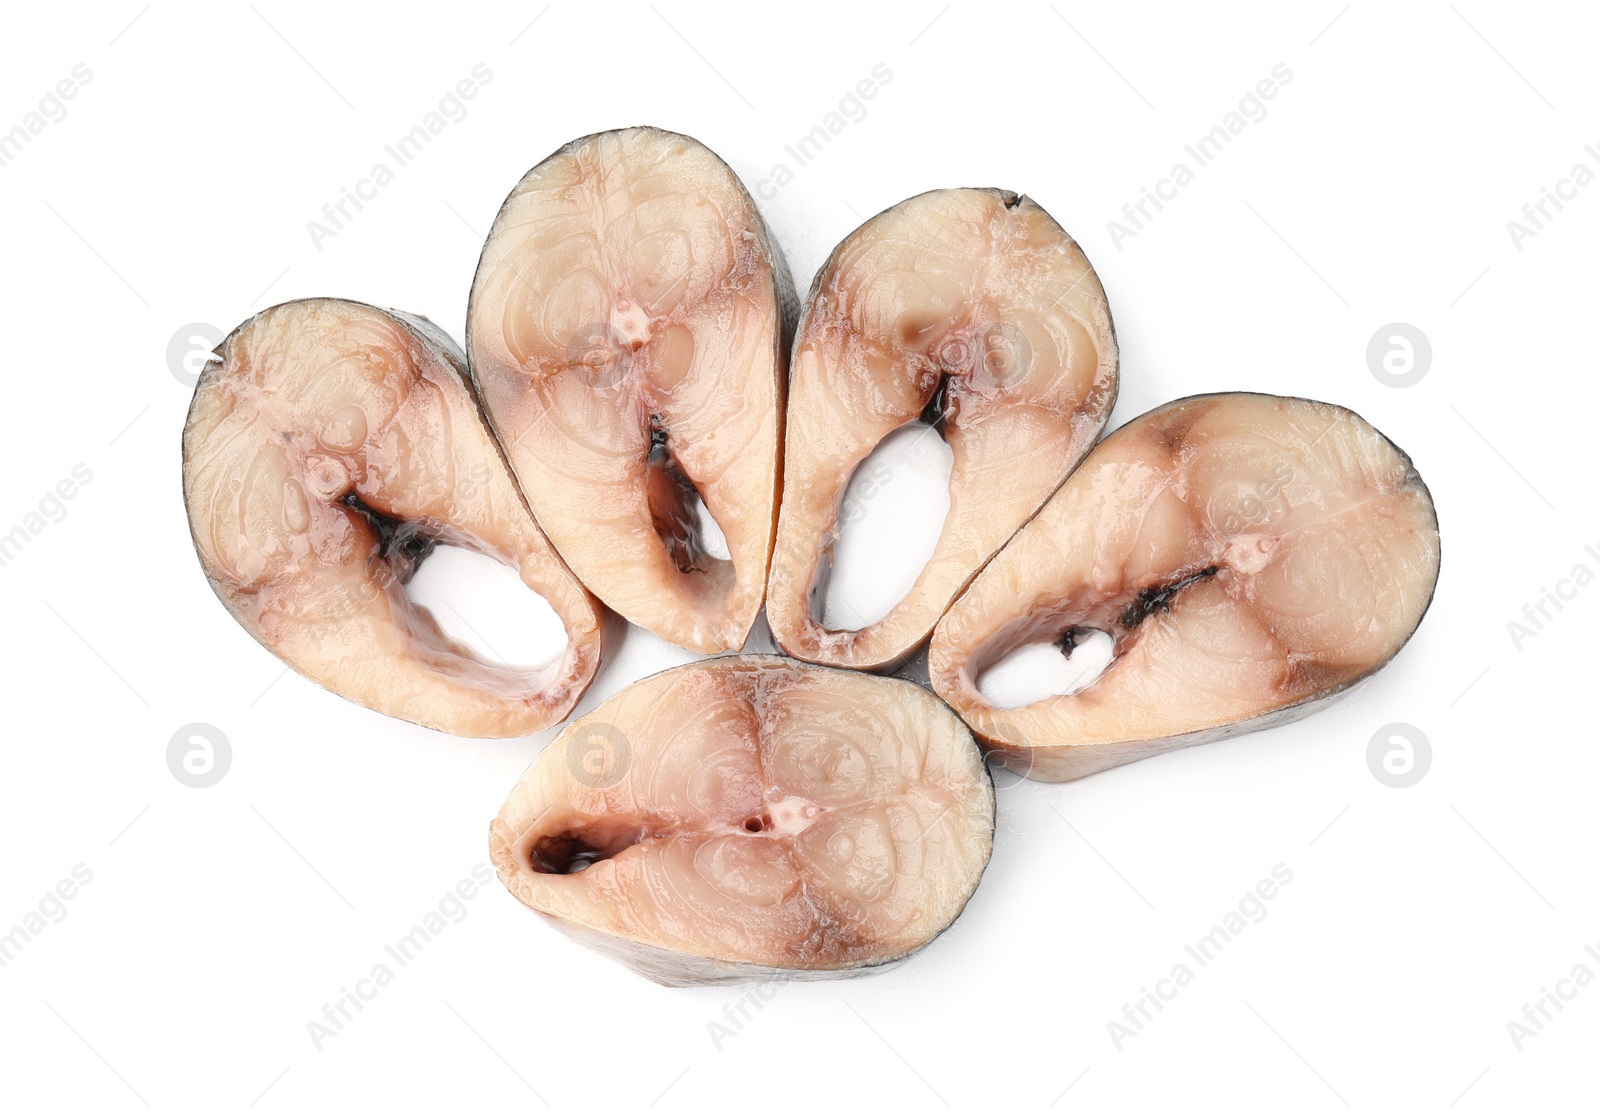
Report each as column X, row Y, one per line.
column 672, row 498
column 402, row 544
column 1069, row 640
column 934, row 413
column 1152, row 599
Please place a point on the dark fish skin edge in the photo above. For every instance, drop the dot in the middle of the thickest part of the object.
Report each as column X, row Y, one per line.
column 1282, row 716
column 214, row 367
column 1413, row 475
column 783, row 283
column 1012, row 200
column 783, row 291
column 626, row 952
column 427, row 330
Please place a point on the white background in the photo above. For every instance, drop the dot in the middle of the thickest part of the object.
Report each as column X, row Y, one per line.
column 1377, row 189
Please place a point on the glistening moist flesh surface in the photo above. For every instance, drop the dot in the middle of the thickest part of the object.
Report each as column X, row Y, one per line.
column 628, row 332
column 745, row 817
column 1249, row 555
column 972, row 310
column 325, row 455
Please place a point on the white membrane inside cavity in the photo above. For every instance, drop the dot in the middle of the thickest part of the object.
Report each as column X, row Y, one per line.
column 1036, row 671
column 893, row 511
column 711, row 538
column 484, row 604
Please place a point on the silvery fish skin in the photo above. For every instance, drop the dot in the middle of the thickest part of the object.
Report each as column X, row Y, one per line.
column 748, row 818
column 974, row 310
column 1249, row 555
column 628, row 333
column 328, row 448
